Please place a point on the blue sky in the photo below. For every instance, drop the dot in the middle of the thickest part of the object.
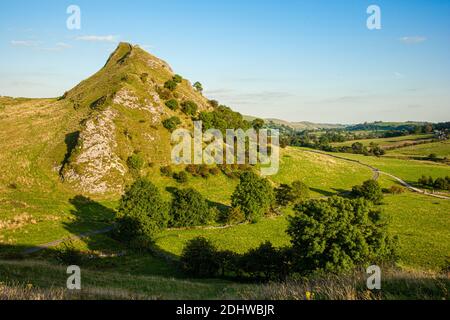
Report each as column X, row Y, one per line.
column 296, row 60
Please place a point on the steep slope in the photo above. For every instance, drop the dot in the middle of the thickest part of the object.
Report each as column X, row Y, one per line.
column 125, row 107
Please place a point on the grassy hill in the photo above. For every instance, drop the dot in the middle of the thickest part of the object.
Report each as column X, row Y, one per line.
column 63, row 166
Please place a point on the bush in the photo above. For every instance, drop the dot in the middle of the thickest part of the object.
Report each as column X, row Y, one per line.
column 284, row 195
column 300, row 191
column 214, row 171
column 199, row 258
column 189, row 107
column 142, row 212
column 234, row 216
column 177, row 78
column 337, row 234
column 69, row 255
column 170, row 85
column 172, row 104
column 189, row 209
column 369, row 190
column 135, row 163
column 253, row 195
column 171, row 123
column 166, row 171
column 181, row 177
column 266, row 262
column 198, row 86
column 396, row 190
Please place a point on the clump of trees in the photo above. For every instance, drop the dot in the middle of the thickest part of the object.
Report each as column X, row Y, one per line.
column 334, row 235
column 369, row 190
column 254, row 196
column 202, row 170
column 189, row 208
column 436, row 184
column 287, row 194
column 171, row 123
column 338, row 234
column 142, row 213
column 223, row 118
column 173, row 83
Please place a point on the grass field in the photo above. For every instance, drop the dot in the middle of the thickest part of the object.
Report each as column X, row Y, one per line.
column 441, row 149
column 387, row 142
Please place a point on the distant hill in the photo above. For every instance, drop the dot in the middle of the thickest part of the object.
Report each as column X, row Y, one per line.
column 301, row 125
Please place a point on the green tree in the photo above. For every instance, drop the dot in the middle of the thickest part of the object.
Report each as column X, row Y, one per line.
column 198, row 86
column 369, row 190
column 284, row 195
column 300, row 191
column 189, row 107
column 177, row 78
column 170, row 84
column 135, row 162
column 172, row 104
column 258, row 124
column 199, row 258
column 253, row 195
column 189, row 209
column 337, row 235
column 171, row 123
column 142, row 212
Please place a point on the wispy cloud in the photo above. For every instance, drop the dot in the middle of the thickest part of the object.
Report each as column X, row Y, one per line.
column 60, row 46
column 25, row 43
column 413, row 40
column 94, row 38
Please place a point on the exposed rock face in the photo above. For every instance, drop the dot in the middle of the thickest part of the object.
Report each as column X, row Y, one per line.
column 128, row 99
column 94, row 167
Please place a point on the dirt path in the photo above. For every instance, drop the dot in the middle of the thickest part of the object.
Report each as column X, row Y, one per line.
column 377, row 172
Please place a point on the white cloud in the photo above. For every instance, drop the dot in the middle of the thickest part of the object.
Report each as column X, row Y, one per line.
column 25, row 43
column 60, row 46
column 413, row 40
column 92, row 38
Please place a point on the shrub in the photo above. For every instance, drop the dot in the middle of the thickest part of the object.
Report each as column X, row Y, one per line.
column 142, row 212
column 214, row 103
column 234, row 216
column 181, row 177
column 198, row 86
column 284, row 195
column 189, row 208
column 69, row 255
column 172, row 104
column 253, row 195
column 266, row 262
column 258, row 124
column 369, row 190
column 300, row 191
column 214, row 171
column 337, row 234
column 199, row 258
column 189, row 107
column 135, row 163
column 171, row 123
column 166, row 171
column 396, row 190
column 192, row 169
column 177, row 78
column 170, row 85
